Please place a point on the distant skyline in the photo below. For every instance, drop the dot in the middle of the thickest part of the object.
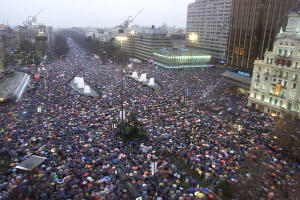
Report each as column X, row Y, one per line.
column 95, row 13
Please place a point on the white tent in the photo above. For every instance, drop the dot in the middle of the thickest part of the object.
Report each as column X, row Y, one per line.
column 151, row 82
column 143, row 78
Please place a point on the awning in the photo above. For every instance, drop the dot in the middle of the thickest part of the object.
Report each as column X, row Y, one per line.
column 31, row 163
column 237, row 80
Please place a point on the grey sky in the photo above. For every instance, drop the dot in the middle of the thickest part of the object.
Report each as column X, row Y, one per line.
column 100, row 13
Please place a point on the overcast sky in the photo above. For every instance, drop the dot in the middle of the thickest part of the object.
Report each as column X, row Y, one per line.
column 96, row 13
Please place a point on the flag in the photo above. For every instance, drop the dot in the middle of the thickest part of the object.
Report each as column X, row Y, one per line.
column 278, row 88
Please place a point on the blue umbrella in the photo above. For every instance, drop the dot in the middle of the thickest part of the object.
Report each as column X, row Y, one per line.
column 206, row 190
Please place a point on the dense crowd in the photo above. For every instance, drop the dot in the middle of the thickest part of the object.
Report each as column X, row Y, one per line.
column 193, row 119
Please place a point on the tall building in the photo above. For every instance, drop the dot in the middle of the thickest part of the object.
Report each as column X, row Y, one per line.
column 254, row 25
column 209, row 20
column 142, row 44
column 275, row 86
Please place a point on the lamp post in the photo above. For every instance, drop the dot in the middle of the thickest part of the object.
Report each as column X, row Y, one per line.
column 192, row 38
column 122, row 94
column 121, row 39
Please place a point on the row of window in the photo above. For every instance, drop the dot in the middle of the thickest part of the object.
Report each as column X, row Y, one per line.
column 286, row 76
column 296, row 65
column 285, row 52
column 281, row 43
column 274, row 101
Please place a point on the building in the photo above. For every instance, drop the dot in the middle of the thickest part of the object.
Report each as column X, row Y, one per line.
column 254, row 25
column 209, row 20
column 93, row 33
column 178, row 40
column 8, row 41
column 180, row 58
column 41, row 36
column 275, row 86
column 142, row 44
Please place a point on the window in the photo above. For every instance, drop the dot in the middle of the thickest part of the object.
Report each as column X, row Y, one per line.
column 271, row 61
column 271, row 99
column 284, row 84
column 294, row 86
column 295, row 77
column 281, row 102
column 266, row 79
column 285, row 52
column 289, row 105
column 258, row 76
column 291, row 53
column 279, row 52
column 263, row 97
column 255, row 95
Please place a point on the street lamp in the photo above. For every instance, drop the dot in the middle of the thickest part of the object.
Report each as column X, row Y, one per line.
column 132, row 32
column 121, row 39
column 192, row 38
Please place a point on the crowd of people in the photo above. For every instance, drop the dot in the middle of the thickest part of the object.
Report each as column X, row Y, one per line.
column 193, row 119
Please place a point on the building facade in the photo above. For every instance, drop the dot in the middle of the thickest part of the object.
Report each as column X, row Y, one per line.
column 253, row 27
column 209, row 19
column 180, row 58
column 142, row 44
column 275, row 86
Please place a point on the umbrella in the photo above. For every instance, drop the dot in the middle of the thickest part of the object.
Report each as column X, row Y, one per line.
column 206, row 190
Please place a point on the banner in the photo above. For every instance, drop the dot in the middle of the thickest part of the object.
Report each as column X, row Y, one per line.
column 278, row 88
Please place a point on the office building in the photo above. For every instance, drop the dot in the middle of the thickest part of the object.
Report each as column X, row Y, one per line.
column 254, row 25
column 275, row 86
column 142, row 44
column 209, row 20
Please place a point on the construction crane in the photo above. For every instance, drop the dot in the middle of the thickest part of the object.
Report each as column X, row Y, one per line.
column 127, row 22
column 30, row 21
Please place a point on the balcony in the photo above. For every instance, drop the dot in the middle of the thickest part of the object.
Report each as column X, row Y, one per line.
column 283, row 61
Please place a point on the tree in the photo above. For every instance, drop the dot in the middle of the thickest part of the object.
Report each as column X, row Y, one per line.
column 252, row 175
column 60, row 46
column 37, row 57
column 132, row 130
column 286, row 136
column 8, row 60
